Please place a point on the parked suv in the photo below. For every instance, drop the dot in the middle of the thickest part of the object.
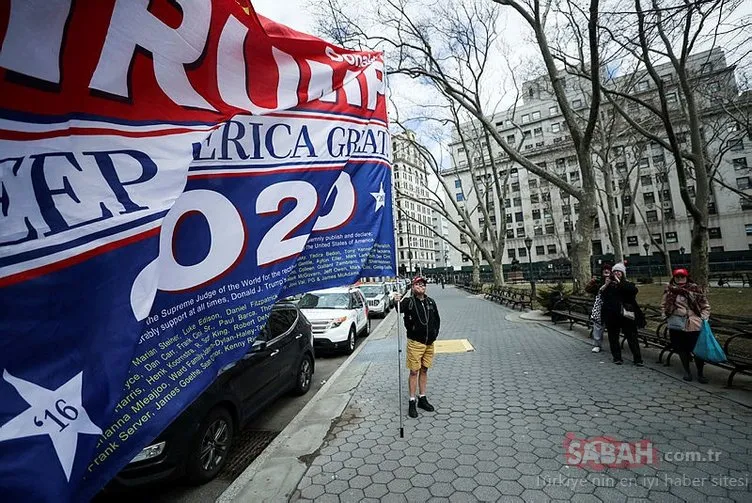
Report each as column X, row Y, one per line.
column 338, row 316
column 378, row 298
column 197, row 443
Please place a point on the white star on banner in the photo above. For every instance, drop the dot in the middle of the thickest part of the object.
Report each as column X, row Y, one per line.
column 380, row 197
column 57, row 413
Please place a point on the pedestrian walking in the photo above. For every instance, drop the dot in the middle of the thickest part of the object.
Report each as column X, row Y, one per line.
column 596, row 287
column 621, row 314
column 422, row 322
column 685, row 305
column 442, row 282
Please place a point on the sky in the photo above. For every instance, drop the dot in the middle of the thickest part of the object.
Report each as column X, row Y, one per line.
column 293, row 13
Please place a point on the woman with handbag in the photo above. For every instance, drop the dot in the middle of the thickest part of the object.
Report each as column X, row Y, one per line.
column 685, row 305
column 620, row 313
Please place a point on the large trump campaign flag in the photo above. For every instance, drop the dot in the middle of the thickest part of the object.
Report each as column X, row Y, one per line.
column 164, row 164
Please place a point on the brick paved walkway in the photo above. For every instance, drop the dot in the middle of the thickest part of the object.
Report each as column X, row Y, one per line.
column 502, row 415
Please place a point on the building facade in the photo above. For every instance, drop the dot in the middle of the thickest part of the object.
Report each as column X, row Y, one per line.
column 414, row 221
column 643, row 177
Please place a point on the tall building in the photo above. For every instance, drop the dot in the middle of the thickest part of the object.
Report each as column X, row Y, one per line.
column 535, row 208
column 413, row 215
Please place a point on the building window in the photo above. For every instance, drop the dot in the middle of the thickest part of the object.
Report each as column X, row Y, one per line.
column 714, row 232
column 538, row 131
column 661, row 178
column 510, row 138
column 522, row 252
column 510, row 233
column 540, row 249
column 646, row 180
column 668, row 214
column 706, row 68
column 555, row 127
column 518, row 201
column 691, row 191
column 553, row 110
column 657, row 238
column 520, row 232
column 574, row 176
column 526, row 118
column 667, row 78
column 515, row 186
column 649, row 197
column 716, row 249
column 746, row 203
column 644, row 163
column 712, row 210
column 458, row 184
column 507, row 203
column 659, row 159
column 534, row 198
column 632, row 241
column 568, row 227
column 535, row 116
column 538, row 230
column 549, row 228
column 526, row 135
column 651, row 216
column 671, row 237
column 643, row 85
column 665, row 195
column 748, row 229
column 566, row 209
column 536, row 214
column 551, row 249
column 739, row 163
column 512, row 253
column 460, row 197
column 671, row 98
column 736, row 144
column 743, row 183
column 533, row 183
column 518, row 217
column 621, row 168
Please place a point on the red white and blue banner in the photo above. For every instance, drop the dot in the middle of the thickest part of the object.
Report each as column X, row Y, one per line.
column 161, row 163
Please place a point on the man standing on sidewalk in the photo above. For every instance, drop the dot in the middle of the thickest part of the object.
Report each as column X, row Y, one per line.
column 422, row 322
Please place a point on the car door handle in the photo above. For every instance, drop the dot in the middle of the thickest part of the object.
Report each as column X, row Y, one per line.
column 298, row 336
column 274, row 353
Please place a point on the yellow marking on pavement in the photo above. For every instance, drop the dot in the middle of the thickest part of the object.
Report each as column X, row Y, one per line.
column 453, row 346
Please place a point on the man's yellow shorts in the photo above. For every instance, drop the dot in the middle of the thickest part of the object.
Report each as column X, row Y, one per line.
column 419, row 355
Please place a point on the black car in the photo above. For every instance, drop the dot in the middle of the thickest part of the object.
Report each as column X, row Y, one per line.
column 197, row 443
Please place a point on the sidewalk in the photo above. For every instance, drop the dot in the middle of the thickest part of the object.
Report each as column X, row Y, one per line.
column 502, row 415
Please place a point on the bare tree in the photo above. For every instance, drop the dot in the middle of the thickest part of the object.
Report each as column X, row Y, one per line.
column 670, row 31
column 450, row 46
column 475, row 216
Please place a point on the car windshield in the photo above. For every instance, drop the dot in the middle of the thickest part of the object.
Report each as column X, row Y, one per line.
column 371, row 290
column 324, row 301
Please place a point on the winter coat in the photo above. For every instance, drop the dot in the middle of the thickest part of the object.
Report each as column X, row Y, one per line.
column 618, row 295
column 683, row 307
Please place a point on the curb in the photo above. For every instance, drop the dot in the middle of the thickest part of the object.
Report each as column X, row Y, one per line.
column 275, row 474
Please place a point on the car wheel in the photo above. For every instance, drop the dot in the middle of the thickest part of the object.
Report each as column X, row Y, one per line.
column 350, row 343
column 303, row 378
column 367, row 328
column 211, row 447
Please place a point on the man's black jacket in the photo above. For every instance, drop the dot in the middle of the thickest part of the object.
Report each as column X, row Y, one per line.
column 422, row 319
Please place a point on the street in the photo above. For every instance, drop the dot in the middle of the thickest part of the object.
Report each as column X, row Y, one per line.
column 249, row 442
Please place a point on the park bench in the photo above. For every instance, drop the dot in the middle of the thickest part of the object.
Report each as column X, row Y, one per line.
column 574, row 309
column 513, row 297
column 474, row 288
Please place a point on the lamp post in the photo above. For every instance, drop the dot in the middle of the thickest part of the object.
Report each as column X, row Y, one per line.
column 681, row 251
column 528, row 244
column 647, row 248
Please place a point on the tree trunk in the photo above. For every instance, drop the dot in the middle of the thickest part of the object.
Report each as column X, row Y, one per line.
column 582, row 245
column 498, row 271
column 614, row 228
column 699, row 265
column 476, row 272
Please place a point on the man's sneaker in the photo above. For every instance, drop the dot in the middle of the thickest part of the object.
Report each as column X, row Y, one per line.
column 412, row 411
column 423, row 404
column 618, row 362
column 596, row 349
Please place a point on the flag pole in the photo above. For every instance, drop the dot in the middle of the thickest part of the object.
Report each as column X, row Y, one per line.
column 396, row 273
